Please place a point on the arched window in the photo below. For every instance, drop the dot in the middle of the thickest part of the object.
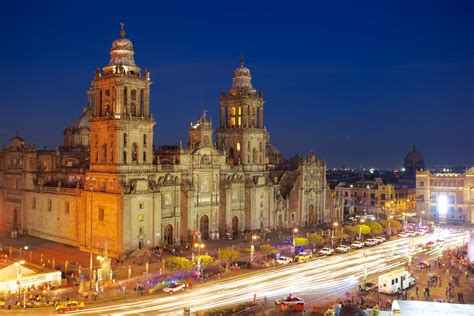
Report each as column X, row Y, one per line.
column 144, row 140
column 125, row 139
column 124, row 157
column 422, row 183
column 104, row 153
column 135, row 152
column 144, row 156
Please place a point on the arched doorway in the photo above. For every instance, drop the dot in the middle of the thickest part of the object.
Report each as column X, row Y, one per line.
column 235, row 226
column 204, row 227
column 168, row 234
column 311, row 215
column 280, row 221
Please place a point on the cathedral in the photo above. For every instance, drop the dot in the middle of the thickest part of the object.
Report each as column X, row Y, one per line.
column 108, row 185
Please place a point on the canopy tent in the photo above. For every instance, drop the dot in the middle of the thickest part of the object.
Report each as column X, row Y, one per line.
column 12, row 271
column 422, row 308
column 10, row 281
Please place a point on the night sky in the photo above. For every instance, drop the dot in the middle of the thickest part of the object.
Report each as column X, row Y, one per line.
column 358, row 82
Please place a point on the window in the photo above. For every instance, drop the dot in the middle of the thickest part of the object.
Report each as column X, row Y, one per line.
column 261, row 147
column 133, row 94
column 232, row 110
column 144, row 156
column 292, row 216
column 104, row 153
column 232, row 121
column 66, row 207
column 124, row 157
column 382, row 196
column 125, row 139
column 50, row 205
column 141, row 218
column 144, row 140
column 141, row 206
column 33, row 203
column 125, row 98
column 101, row 214
column 238, row 146
column 134, row 152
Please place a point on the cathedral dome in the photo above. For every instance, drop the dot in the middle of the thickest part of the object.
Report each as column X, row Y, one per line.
column 122, row 53
column 242, row 78
column 414, row 156
column 82, row 121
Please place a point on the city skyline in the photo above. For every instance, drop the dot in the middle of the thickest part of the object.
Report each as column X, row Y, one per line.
column 347, row 105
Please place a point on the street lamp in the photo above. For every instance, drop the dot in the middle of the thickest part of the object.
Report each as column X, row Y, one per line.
column 333, row 232
column 252, row 247
column 18, row 280
column 295, row 230
column 360, row 229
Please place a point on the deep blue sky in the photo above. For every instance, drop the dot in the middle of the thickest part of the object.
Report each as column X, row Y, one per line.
column 358, row 82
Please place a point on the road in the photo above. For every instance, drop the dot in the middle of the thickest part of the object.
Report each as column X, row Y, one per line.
column 317, row 281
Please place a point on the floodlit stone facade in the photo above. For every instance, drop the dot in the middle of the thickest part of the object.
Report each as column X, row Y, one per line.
column 107, row 172
column 458, row 188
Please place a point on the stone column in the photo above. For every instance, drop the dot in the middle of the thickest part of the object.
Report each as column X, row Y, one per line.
column 260, row 117
column 222, row 122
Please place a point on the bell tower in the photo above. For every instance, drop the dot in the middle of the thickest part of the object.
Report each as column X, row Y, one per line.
column 241, row 132
column 121, row 126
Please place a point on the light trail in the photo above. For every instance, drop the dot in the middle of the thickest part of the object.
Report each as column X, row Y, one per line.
column 316, row 278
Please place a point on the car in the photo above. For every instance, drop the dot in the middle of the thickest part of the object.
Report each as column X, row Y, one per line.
column 421, row 232
column 370, row 242
column 357, row 244
column 69, row 306
column 290, row 303
column 411, row 233
column 284, row 260
column 326, row 251
column 343, row 248
column 380, row 239
column 304, row 256
column 174, row 288
column 368, row 287
column 403, row 235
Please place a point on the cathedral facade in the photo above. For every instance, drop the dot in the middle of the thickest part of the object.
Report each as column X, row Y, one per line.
column 107, row 180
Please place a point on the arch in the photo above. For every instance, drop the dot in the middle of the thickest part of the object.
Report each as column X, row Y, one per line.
column 235, row 226
column 231, row 153
column 204, row 227
column 168, row 234
column 135, row 152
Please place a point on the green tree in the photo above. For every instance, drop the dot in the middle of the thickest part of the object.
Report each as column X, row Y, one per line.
column 245, row 251
column 300, row 242
column 315, row 239
column 365, row 229
column 177, row 264
column 205, row 260
column 350, row 230
column 375, row 227
column 267, row 250
column 341, row 235
column 228, row 255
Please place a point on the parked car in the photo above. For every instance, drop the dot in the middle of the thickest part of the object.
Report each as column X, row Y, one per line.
column 284, row 260
column 380, row 239
column 69, row 306
column 290, row 303
column 403, row 235
column 343, row 248
column 326, row 251
column 370, row 242
column 368, row 287
column 421, row 232
column 304, row 256
column 357, row 244
column 174, row 288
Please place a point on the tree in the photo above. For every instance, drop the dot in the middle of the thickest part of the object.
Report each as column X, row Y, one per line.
column 350, row 230
column 395, row 225
column 315, row 239
column 205, row 260
column 178, row 264
column 375, row 227
column 267, row 249
column 365, row 229
column 300, row 242
column 228, row 255
column 341, row 235
column 245, row 251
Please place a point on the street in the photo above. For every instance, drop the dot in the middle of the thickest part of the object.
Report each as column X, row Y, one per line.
column 317, row 282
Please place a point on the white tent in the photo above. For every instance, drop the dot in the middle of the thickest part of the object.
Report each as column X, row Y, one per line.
column 11, row 272
column 422, row 308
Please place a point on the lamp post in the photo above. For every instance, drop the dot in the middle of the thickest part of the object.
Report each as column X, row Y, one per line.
column 18, row 280
column 199, row 246
column 333, row 232
column 252, row 247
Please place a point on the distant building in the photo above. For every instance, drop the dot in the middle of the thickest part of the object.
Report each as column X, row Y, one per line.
column 414, row 162
column 372, row 196
column 457, row 187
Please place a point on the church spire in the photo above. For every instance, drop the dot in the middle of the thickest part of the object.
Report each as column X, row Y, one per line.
column 242, row 61
column 122, row 30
